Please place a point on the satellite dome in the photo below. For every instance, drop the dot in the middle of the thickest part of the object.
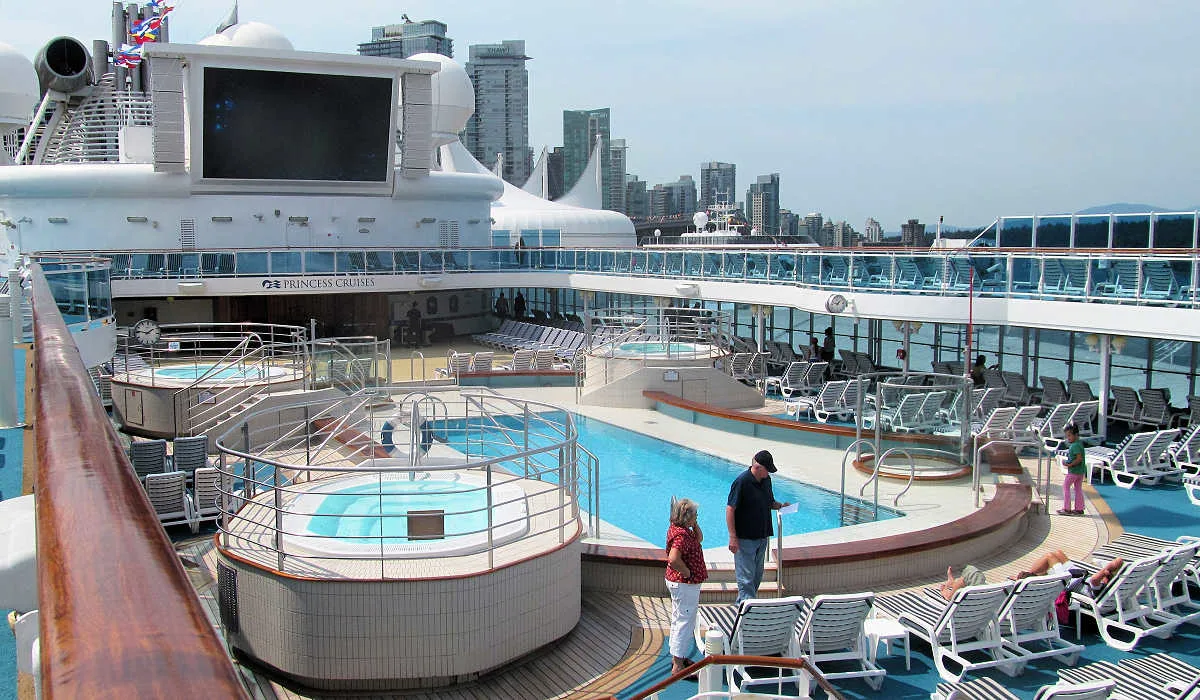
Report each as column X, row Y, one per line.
column 19, row 93
column 700, row 219
column 453, row 97
column 251, row 35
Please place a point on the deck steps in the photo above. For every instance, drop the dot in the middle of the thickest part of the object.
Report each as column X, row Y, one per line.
column 1002, row 459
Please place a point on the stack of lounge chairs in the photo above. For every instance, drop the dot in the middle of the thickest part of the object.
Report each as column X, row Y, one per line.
column 520, row 335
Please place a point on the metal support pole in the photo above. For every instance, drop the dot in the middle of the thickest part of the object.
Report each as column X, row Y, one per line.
column 15, row 294
column 8, row 375
column 1105, row 376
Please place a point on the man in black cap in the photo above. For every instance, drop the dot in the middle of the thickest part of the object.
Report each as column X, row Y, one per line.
column 748, row 517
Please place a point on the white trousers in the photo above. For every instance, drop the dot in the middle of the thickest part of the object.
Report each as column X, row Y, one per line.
column 685, row 600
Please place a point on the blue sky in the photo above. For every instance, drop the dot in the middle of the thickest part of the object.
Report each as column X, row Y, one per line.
column 865, row 107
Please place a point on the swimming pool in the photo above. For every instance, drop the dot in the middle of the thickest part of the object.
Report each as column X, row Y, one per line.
column 356, row 516
column 639, row 474
column 194, row 371
column 660, row 349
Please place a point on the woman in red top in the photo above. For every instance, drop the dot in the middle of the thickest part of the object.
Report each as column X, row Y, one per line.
column 685, row 573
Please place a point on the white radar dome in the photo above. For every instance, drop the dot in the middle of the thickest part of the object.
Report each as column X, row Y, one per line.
column 19, row 93
column 252, row 35
column 453, row 97
column 700, row 219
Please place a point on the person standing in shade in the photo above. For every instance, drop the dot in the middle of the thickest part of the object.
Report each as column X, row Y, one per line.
column 519, row 306
column 414, row 325
column 748, row 517
column 828, row 347
column 977, row 371
column 502, row 306
column 1075, row 465
column 685, row 572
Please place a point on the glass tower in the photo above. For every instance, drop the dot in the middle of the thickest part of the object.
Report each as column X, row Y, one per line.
column 501, row 120
column 408, row 38
column 580, row 129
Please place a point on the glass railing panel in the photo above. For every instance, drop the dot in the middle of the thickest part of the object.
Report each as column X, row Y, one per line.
column 1026, row 275
column 1174, row 231
column 860, row 273
column 99, row 293
column 783, row 267
column 1091, row 231
column 712, row 265
column 608, row 260
column 318, row 261
column 431, row 261
column 256, row 263
column 542, row 259
column 693, row 264
column 734, row 265
column 592, row 261
column 379, row 261
column 406, row 260
column 835, row 271
column 351, row 262
column 655, row 263
column 456, row 260
column 674, row 264
column 1165, row 280
column 566, row 260
column 624, row 262
column 810, row 269
column 756, row 266
column 1016, row 232
column 1053, row 232
column 879, row 269
column 1131, row 231
column 638, row 262
column 1115, row 277
column 120, row 264
column 287, row 263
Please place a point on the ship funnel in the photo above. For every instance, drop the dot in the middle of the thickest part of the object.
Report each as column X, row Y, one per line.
column 64, row 65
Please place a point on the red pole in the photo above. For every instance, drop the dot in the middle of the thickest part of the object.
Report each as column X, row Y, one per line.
column 970, row 321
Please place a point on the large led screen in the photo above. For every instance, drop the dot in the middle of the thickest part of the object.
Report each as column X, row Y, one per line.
column 275, row 125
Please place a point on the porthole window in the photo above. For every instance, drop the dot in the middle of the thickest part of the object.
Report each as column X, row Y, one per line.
column 431, row 306
column 453, row 303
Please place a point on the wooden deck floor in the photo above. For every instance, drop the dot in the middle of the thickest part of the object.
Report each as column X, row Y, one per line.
column 619, row 636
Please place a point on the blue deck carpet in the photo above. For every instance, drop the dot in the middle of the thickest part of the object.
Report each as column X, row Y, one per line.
column 12, row 444
column 1159, row 511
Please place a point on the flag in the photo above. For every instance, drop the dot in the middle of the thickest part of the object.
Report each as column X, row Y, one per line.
column 159, row 6
column 128, row 56
column 230, row 20
column 146, row 30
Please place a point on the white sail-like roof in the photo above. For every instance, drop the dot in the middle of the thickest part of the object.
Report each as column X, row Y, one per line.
column 538, row 183
column 587, row 191
column 518, row 210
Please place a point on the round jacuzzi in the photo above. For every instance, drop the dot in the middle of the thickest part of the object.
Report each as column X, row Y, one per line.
column 192, row 371
column 370, row 516
column 658, row 349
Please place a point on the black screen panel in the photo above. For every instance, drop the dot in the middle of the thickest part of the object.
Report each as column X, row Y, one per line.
column 278, row 125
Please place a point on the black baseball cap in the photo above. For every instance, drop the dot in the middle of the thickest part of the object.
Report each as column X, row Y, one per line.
column 764, row 458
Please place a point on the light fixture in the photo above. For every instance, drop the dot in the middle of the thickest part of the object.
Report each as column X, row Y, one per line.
column 298, row 219
column 472, row 221
column 1118, row 342
column 190, row 287
column 1091, row 340
column 430, row 281
column 57, row 219
column 688, row 289
column 364, row 230
column 222, row 219
column 258, row 216
column 428, row 220
column 137, row 219
column 366, row 219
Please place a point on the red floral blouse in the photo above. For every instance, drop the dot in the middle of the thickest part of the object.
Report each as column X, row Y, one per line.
column 691, row 553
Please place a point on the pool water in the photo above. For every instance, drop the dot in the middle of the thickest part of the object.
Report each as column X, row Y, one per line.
column 366, row 510
column 639, row 475
column 196, row 371
column 651, row 348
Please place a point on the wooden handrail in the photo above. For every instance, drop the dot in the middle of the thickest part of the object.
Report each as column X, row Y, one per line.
column 768, row 661
column 119, row 617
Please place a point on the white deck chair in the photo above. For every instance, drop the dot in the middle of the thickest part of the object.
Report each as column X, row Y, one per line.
column 757, row 627
column 482, row 361
column 1123, row 463
column 1127, row 682
column 1156, row 458
column 169, row 497
column 900, row 418
column 1187, row 455
column 1024, row 417
column 968, row 624
column 1118, row 607
column 189, row 454
column 1191, row 485
column 987, row 689
column 790, row 381
column 929, row 417
column 1130, row 545
column 831, row 629
column 827, row 399
column 148, row 457
column 1164, row 668
column 543, row 359
column 457, row 363
column 1050, row 428
column 522, row 361
column 207, row 495
column 1168, row 586
column 998, row 419
column 1029, row 623
column 845, row 405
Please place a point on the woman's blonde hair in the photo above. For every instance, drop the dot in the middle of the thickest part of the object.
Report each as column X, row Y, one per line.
column 681, row 510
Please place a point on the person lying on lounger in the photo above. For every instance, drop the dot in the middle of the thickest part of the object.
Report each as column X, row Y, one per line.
column 971, row 576
column 1056, row 562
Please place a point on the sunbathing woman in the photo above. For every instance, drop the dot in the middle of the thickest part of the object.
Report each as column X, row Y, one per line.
column 1056, row 562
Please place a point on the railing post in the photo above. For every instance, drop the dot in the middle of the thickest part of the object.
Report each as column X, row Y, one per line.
column 710, row 676
column 15, row 293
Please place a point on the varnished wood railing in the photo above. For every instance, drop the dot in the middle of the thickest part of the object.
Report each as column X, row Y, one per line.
column 119, row 618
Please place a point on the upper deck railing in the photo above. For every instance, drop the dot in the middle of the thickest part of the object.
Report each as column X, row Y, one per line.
column 119, row 617
column 1167, row 277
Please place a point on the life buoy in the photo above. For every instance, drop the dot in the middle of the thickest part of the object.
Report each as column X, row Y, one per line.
column 900, row 353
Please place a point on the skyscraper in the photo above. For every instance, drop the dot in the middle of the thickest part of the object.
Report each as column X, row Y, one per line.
column 872, row 232
column 912, row 233
column 637, row 202
column 404, row 40
column 501, row 120
column 554, row 172
column 718, row 182
column 580, row 129
column 614, row 182
column 764, row 209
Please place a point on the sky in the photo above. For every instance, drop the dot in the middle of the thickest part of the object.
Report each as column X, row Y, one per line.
column 889, row 109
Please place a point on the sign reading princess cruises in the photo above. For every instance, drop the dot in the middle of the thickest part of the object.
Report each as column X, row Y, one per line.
column 302, row 283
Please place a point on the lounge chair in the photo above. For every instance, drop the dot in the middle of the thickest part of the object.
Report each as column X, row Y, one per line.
column 169, row 497
column 988, row 689
column 457, row 364
column 1080, row 390
column 1122, row 617
column 757, row 627
column 1186, row 454
column 1163, row 668
column 189, row 454
column 1123, row 460
column 148, row 457
column 1054, row 392
column 787, row 382
column 1029, row 624
column 1130, row 545
column 1050, row 428
column 967, row 624
column 827, row 400
column 1127, row 682
column 900, row 418
column 746, row 366
column 1168, row 587
column 207, row 495
column 1156, row 457
column 522, row 361
column 1125, row 405
column 831, row 629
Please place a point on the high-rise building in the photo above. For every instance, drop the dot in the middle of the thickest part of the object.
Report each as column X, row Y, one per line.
column 718, row 182
column 826, row 237
column 658, row 200
column 580, row 129
column 556, row 187
column 812, row 226
column 637, row 202
column 408, row 38
column 764, row 210
column 615, row 182
column 843, row 235
column 501, row 120
column 872, row 232
column 912, row 233
column 681, row 195
column 789, row 222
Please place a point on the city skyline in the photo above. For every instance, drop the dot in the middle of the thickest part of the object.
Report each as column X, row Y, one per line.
column 883, row 111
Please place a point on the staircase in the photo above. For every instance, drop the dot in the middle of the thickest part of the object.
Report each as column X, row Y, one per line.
column 721, row 586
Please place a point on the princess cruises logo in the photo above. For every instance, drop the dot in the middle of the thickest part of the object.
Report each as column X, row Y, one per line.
column 320, row 283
